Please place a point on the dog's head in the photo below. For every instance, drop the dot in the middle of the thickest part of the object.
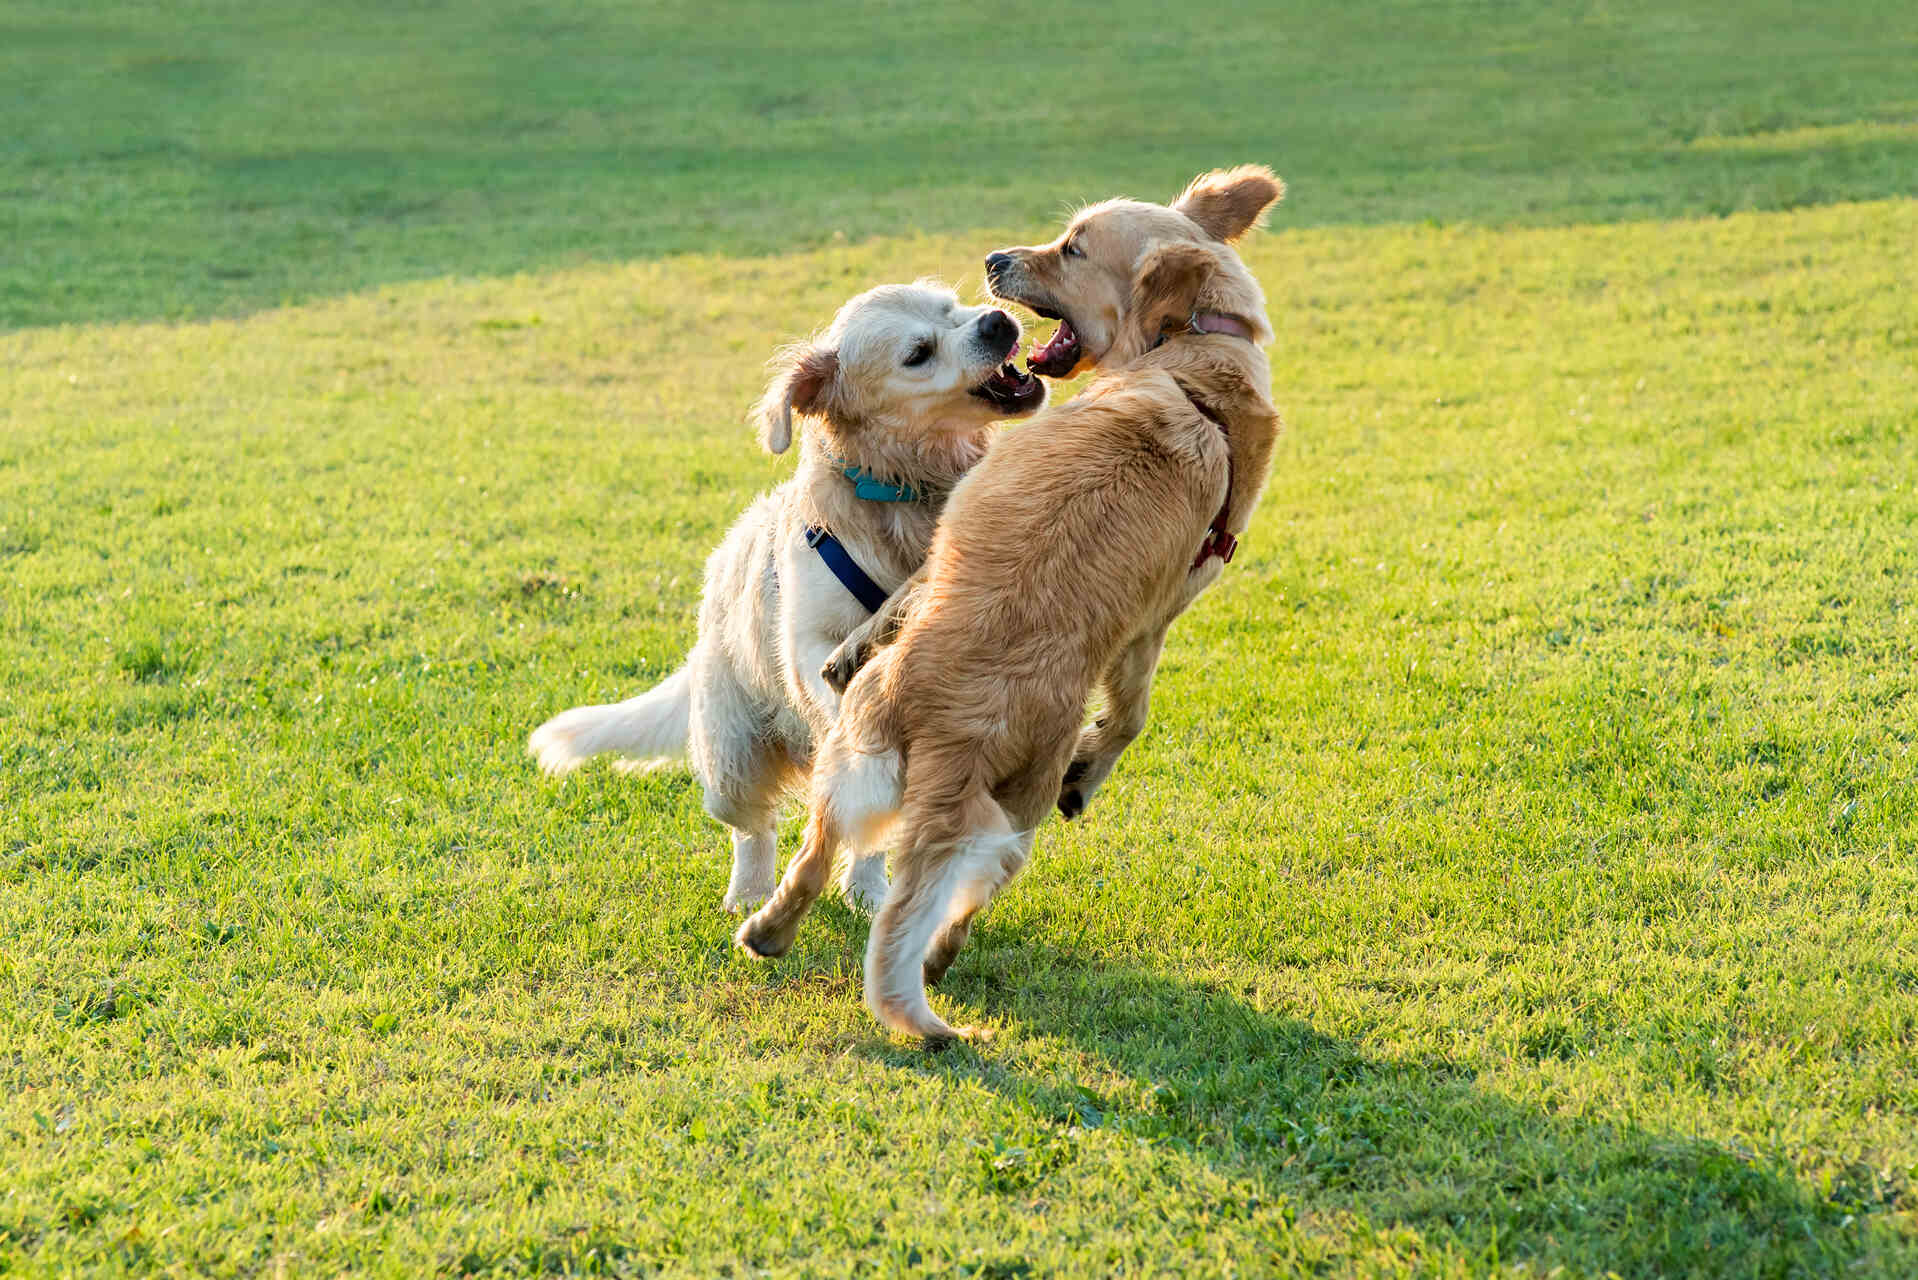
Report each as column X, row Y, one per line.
column 1124, row 269
column 907, row 361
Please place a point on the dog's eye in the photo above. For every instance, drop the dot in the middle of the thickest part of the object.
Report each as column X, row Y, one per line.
column 1071, row 249
column 920, row 353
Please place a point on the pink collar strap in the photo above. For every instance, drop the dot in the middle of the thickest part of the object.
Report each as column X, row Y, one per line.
column 1218, row 322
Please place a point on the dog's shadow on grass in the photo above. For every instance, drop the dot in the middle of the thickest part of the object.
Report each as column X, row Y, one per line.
column 1315, row 1123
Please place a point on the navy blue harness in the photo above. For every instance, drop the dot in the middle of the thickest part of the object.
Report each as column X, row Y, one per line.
column 870, row 488
column 845, row 568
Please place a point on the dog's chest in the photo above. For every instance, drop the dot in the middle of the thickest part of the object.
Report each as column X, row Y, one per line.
column 898, row 539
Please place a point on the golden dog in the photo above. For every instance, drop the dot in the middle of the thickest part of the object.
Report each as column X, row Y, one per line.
column 1058, row 566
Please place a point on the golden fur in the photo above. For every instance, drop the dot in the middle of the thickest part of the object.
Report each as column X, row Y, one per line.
column 902, row 384
column 1058, row 565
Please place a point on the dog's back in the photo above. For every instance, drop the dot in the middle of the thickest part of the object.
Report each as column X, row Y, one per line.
column 1051, row 554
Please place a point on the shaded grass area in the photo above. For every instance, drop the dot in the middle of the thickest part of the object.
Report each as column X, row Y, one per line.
column 212, row 158
column 1516, row 873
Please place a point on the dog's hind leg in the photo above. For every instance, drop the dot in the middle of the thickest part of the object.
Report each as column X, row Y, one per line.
column 755, row 841
column 769, row 931
column 862, row 880
column 742, row 773
column 855, row 795
column 1026, row 798
column 755, row 868
column 971, row 898
column 953, row 867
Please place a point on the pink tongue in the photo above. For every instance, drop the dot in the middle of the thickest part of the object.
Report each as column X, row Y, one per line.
column 1061, row 341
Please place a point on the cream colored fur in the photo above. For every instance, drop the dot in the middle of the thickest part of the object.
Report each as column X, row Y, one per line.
column 1062, row 559
column 749, row 705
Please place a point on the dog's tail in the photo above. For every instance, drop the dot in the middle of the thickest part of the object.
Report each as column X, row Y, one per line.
column 648, row 731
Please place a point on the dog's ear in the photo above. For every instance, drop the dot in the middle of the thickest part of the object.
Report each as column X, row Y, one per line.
column 1227, row 203
column 803, row 384
column 1166, row 287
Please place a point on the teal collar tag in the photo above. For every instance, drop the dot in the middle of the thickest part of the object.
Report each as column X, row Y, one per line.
column 872, row 489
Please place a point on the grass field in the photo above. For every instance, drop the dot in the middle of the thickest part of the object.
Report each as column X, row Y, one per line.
column 1516, row 876
column 208, row 157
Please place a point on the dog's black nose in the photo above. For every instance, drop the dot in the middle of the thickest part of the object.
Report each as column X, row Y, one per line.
column 997, row 264
column 997, row 329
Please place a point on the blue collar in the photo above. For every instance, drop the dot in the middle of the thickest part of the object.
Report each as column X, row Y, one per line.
column 871, row 488
column 845, row 568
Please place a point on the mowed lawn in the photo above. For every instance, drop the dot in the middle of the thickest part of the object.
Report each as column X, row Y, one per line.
column 212, row 157
column 1517, row 872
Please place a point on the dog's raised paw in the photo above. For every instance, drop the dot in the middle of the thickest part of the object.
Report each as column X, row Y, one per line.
column 842, row 666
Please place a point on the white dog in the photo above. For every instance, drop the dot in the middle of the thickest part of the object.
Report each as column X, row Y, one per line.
column 906, row 385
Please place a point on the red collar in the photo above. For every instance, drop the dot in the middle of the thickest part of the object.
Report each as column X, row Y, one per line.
column 1219, row 541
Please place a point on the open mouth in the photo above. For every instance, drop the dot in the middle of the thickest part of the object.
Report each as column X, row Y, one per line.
column 1056, row 357
column 1011, row 389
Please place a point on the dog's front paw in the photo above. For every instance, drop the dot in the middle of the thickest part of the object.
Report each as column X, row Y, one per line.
column 843, row 663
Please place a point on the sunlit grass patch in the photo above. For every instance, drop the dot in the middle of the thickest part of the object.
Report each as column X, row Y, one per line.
column 1515, row 874
column 1857, row 133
